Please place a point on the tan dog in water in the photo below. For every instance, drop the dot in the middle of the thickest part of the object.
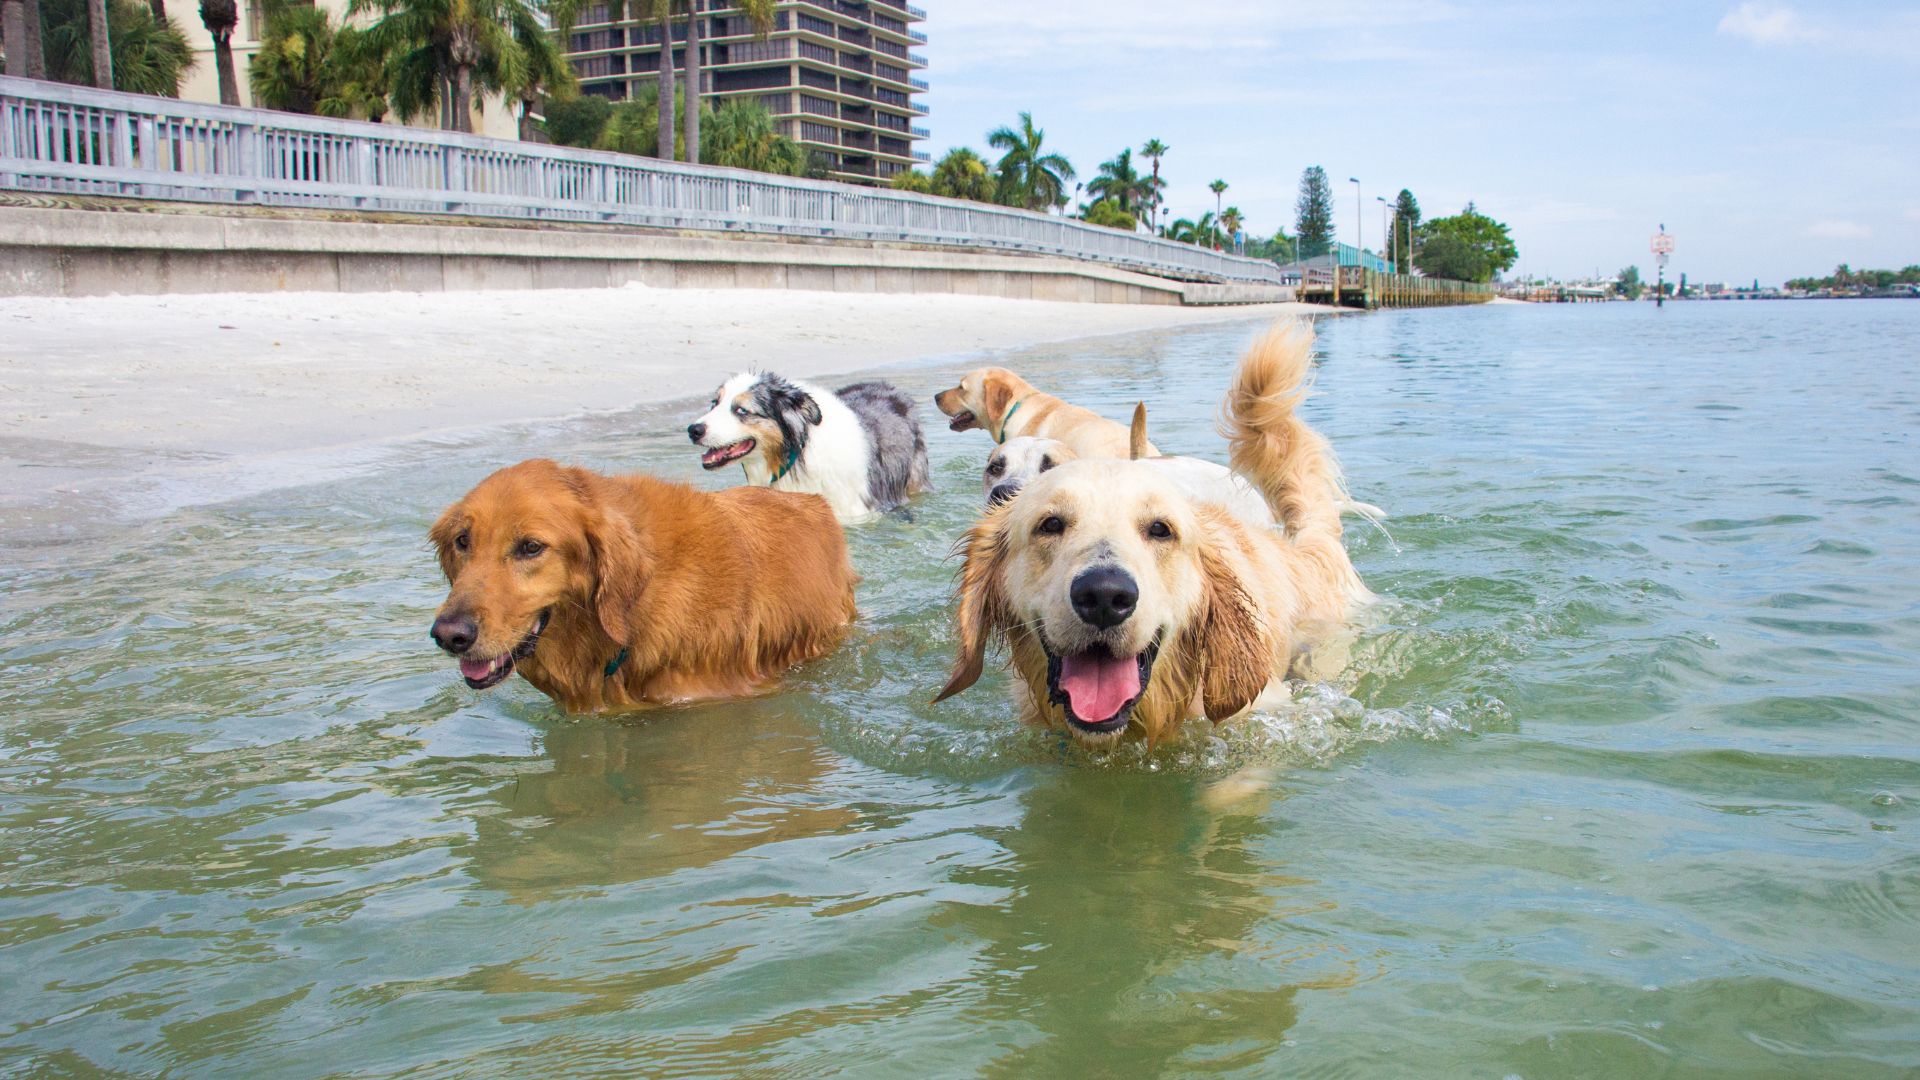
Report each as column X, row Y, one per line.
column 613, row 592
column 1130, row 606
column 1004, row 405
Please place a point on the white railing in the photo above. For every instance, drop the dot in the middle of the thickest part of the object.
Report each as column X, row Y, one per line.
column 78, row 140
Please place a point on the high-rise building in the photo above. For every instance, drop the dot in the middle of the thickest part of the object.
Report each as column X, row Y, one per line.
column 837, row 75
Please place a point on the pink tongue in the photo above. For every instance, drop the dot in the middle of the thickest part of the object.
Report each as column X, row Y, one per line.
column 476, row 669
column 1098, row 685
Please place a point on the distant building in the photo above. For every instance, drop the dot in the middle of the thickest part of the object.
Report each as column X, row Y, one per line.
column 837, row 75
column 494, row 117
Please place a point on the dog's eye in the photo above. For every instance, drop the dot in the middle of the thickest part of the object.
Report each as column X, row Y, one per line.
column 460, row 542
column 714, row 404
column 529, row 548
column 1046, row 463
column 1160, row 530
column 741, row 412
column 1052, row 525
column 996, row 467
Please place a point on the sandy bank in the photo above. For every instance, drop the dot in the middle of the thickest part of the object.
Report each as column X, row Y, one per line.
column 97, row 391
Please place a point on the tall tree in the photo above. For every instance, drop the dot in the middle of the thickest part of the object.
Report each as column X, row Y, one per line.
column 1406, row 231
column 666, row 95
column 545, row 74
column 1231, row 220
column 759, row 16
column 220, row 17
column 1466, row 247
column 150, row 56
column 1029, row 176
column 1119, row 182
column 1219, row 188
column 1629, row 284
column 1153, row 151
column 441, row 53
column 100, row 38
column 36, row 41
column 1313, row 213
column 13, row 26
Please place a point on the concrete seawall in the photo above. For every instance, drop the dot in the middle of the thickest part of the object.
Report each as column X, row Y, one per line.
column 128, row 247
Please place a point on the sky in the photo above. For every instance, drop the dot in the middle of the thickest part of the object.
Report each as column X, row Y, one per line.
column 1773, row 140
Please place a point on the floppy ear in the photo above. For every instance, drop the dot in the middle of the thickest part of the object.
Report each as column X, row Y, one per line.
column 620, row 568
column 981, row 599
column 442, row 534
column 802, row 402
column 1137, row 435
column 1235, row 660
column 996, row 395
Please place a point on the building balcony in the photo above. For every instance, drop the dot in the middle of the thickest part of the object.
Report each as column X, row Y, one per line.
column 920, row 133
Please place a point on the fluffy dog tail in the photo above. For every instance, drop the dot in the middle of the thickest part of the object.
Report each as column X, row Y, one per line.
column 1272, row 447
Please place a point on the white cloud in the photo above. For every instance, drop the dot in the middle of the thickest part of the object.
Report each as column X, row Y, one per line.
column 1880, row 33
column 1836, row 229
column 1767, row 24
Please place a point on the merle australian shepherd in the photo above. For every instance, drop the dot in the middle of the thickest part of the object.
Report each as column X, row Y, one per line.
column 860, row 449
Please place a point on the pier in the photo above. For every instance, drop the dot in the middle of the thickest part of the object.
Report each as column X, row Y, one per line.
column 1365, row 287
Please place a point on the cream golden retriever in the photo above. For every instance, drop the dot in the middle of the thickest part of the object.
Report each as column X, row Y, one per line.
column 611, row 592
column 1129, row 606
column 1004, row 405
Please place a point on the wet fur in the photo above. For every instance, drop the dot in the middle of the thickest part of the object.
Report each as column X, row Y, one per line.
column 990, row 393
column 712, row 594
column 1229, row 603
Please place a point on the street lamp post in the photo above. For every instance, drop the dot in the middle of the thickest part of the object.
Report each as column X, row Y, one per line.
column 1387, row 209
column 1359, row 229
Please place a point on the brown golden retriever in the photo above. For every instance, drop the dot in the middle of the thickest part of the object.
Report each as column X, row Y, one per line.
column 1130, row 606
column 1003, row 405
column 613, row 592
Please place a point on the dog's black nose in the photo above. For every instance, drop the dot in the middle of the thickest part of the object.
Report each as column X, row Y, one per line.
column 454, row 633
column 696, row 432
column 1001, row 493
column 1104, row 596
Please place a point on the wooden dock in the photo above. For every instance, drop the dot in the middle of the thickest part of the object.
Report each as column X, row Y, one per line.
column 1363, row 287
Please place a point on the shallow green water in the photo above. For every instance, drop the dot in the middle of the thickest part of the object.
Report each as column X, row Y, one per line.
column 1623, row 780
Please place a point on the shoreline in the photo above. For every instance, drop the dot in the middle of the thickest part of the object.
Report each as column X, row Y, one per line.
column 127, row 407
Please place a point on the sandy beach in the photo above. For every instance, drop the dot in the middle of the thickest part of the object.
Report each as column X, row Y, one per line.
column 214, row 395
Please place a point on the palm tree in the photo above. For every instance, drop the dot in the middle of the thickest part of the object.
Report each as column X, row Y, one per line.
column 1219, row 188
column 1119, row 182
column 292, row 69
column 759, row 15
column 149, row 56
column 744, row 138
column 13, row 27
column 307, row 64
column 962, row 174
column 546, row 75
column 1231, row 220
column 220, row 17
column 441, row 52
column 1153, row 151
column 1029, row 177
column 1192, row 232
column 100, row 37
